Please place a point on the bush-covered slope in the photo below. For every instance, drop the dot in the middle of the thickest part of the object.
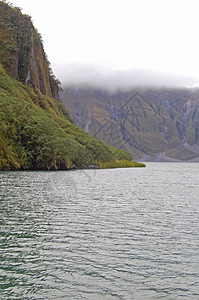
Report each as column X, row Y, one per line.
column 36, row 131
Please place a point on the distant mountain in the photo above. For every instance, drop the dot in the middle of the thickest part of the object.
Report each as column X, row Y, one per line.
column 160, row 125
column 36, row 130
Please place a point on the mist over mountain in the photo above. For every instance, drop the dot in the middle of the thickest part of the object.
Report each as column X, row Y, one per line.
column 85, row 75
column 154, row 116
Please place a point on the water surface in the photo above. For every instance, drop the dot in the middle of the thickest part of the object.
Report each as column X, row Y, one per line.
column 100, row 234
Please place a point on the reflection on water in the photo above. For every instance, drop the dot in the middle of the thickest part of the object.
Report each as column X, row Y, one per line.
column 100, row 234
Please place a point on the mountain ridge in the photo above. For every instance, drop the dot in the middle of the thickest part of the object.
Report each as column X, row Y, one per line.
column 145, row 122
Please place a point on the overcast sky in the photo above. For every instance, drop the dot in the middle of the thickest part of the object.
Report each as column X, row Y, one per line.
column 108, row 36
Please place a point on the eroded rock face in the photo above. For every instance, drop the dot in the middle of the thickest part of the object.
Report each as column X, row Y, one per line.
column 22, row 53
column 144, row 122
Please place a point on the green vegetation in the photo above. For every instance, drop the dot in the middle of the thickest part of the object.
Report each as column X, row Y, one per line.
column 120, row 164
column 32, row 137
column 15, row 39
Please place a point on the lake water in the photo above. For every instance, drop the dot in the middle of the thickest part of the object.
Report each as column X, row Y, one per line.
column 100, row 234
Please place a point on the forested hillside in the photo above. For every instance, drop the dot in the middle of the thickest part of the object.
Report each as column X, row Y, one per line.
column 36, row 131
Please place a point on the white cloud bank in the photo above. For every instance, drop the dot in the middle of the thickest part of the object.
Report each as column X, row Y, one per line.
column 84, row 75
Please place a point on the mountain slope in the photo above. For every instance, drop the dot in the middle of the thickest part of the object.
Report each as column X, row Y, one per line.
column 155, row 124
column 36, row 131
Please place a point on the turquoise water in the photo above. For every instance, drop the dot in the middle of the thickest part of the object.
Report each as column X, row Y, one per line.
column 100, row 234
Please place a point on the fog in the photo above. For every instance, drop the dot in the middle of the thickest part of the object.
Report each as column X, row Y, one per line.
column 80, row 75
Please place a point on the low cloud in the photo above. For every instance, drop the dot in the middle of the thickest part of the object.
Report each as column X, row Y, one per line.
column 80, row 75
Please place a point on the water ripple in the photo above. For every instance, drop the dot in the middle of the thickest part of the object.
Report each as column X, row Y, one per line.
column 100, row 234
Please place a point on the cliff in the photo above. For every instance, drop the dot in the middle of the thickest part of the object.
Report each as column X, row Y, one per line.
column 154, row 124
column 22, row 53
column 36, row 130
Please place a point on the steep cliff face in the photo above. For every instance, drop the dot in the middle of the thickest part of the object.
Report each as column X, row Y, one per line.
column 22, row 53
column 158, row 124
